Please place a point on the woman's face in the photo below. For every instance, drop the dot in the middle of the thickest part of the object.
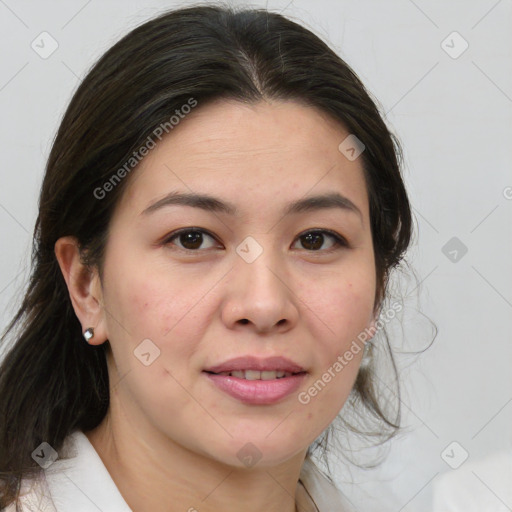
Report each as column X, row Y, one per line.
column 190, row 284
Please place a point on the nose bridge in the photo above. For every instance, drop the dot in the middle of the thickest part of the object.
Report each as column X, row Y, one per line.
column 258, row 292
column 258, row 262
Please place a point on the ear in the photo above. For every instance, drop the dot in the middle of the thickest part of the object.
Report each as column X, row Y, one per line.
column 84, row 288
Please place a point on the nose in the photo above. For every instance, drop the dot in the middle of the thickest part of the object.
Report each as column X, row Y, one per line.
column 260, row 295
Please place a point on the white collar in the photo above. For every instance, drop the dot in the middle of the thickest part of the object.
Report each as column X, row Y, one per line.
column 81, row 483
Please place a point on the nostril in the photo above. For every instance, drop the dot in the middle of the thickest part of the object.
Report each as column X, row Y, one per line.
column 244, row 321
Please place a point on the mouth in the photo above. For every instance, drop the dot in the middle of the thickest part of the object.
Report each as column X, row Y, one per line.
column 255, row 381
column 257, row 375
column 255, row 368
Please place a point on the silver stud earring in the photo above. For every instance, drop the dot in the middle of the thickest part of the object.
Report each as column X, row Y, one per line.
column 368, row 347
column 88, row 334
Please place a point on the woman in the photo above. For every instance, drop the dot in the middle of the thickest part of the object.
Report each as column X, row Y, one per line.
column 220, row 213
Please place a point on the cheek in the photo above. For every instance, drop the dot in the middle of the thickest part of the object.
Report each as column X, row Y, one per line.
column 343, row 311
column 345, row 307
column 147, row 307
column 172, row 312
column 149, row 299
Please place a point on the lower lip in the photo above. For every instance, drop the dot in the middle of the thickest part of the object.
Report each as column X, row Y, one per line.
column 257, row 392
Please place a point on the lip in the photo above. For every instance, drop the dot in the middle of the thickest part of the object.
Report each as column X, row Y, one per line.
column 257, row 364
column 257, row 392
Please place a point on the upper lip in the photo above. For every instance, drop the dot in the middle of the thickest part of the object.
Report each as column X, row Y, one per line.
column 257, row 364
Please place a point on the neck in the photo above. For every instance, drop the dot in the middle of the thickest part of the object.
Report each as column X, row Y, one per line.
column 153, row 472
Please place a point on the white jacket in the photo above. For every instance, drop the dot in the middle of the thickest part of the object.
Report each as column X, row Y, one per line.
column 82, row 483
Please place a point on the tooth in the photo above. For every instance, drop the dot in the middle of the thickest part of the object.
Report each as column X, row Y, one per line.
column 252, row 375
column 257, row 375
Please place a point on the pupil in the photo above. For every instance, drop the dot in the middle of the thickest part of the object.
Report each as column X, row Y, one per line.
column 191, row 240
column 310, row 239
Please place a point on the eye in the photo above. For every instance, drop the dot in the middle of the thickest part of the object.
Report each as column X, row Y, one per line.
column 313, row 240
column 191, row 239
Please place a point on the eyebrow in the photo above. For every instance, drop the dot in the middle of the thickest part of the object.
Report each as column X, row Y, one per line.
column 213, row 204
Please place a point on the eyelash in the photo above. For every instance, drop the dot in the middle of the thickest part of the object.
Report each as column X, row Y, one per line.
column 339, row 241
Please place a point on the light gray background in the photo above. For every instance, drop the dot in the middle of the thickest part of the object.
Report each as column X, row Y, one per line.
column 453, row 117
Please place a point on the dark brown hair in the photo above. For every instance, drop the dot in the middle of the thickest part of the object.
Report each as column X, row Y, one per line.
column 51, row 381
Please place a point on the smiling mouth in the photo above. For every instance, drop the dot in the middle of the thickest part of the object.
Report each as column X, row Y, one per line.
column 257, row 375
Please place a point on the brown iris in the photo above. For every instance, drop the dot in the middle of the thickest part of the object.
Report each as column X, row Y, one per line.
column 191, row 239
column 314, row 239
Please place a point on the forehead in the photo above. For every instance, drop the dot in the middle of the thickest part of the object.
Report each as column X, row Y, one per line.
column 253, row 154
column 228, row 128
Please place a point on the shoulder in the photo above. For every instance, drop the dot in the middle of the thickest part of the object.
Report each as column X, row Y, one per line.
column 71, row 483
column 324, row 494
column 482, row 484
